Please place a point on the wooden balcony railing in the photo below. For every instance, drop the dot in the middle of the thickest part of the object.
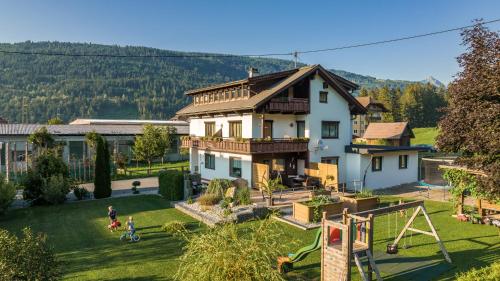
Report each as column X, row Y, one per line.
column 294, row 105
column 248, row 146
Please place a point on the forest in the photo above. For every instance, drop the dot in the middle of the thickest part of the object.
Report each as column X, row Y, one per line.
column 36, row 88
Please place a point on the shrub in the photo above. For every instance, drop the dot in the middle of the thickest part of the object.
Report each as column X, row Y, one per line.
column 7, row 194
column 243, row 196
column 102, row 179
column 27, row 258
column 54, row 189
column 225, row 202
column 44, row 167
column 229, row 252
column 208, row 199
column 366, row 193
column 218, row 186
column 81, row 193
column 171, row 185
column 488, row 273
column 175, row 228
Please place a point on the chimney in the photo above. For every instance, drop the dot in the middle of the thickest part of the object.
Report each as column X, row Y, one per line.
column 252, row 72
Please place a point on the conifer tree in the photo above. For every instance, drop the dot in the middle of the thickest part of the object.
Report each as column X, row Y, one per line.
column 102, row 179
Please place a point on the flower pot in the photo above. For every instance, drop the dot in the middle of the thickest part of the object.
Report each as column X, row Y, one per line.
column 304, row 213
column 359, row 204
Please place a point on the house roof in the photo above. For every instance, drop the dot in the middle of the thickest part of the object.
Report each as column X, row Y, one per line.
column 76, row 130
column 374, row 149
column 128, row 122
column 288, row 79
column 367, row 101
column 3, row 121
column 393, row 130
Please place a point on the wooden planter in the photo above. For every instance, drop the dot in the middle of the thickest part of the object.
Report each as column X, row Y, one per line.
column 359, row 204
column 305, row 214
column 484, row 206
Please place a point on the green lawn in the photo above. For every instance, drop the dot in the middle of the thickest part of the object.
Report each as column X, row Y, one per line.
column 424, row 136
column 90, row 252
column 140, row 171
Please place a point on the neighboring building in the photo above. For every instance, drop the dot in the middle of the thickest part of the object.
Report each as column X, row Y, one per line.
column 285, row 120
column 374, row 110
column 120, row 137
column 177, row 123
column 395, row 134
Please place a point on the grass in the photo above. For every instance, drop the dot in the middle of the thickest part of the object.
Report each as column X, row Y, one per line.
column 425, row 136
column 90, row 252
column 140, row 171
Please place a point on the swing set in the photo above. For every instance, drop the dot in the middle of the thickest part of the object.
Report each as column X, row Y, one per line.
column 351, row 236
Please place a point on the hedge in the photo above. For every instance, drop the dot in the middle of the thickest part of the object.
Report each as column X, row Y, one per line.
column 171, row 185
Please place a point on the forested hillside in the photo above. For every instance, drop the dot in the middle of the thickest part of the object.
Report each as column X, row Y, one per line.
column 37, row 88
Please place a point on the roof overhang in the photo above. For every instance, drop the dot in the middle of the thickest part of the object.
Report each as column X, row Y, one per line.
column 376, row 149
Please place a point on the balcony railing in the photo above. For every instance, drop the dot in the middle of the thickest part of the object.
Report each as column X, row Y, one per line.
column 248, row 146
column 293, row 105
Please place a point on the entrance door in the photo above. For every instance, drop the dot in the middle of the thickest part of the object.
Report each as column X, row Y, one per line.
column 267, row 131
column 301, row 129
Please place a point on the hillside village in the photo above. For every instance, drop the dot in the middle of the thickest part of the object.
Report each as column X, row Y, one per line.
column 136, row 163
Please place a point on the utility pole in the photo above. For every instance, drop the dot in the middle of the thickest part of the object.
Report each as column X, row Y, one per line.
column 295, row 57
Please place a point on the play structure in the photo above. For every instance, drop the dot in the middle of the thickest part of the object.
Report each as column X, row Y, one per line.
column 347, row 237
column 285, row 264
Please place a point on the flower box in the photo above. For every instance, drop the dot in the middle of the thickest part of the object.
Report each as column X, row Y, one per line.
column 304, row 213
column 359, row 204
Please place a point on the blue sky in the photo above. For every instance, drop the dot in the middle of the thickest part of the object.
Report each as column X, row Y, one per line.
column 254, row 27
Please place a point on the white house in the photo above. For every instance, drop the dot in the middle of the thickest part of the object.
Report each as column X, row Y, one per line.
column 285, row 120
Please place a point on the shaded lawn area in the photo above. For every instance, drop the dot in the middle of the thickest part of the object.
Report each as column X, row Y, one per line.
column 90, row 252
column 135, row 172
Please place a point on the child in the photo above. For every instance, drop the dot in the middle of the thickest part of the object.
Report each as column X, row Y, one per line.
column 113, row 224
column 131, row 227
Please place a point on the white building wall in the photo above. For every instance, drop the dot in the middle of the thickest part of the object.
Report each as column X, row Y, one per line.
column 390, row 175
column 222, row 165
column 197, row 125
column 337, row 109
column 284, row 125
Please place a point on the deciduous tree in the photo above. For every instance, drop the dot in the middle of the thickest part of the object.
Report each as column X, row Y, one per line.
column 153, row 143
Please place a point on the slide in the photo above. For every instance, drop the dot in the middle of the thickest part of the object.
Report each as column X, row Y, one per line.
column 303, row 252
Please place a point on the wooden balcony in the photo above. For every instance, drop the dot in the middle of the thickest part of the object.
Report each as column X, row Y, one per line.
column 293, row 106
column 248, row 146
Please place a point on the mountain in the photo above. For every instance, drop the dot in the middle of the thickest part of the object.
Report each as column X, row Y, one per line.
column 433, row 81
column 35, row 88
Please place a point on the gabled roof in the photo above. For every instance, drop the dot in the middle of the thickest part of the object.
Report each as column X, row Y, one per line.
column 289, row 78
column 389, row 131
column 367, row 101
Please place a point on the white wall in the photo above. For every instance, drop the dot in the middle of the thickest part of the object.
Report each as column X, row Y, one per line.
column 390, row 175
column 337, row 109
column 222, row 165
column 281, row 125
column 197, row 125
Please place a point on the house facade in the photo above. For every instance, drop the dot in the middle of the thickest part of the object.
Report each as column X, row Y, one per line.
column 285, row 120
column 374, row 110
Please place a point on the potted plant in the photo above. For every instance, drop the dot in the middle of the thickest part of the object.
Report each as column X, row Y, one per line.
column 361, row 201
column 135, row 184
column 312, row 210
column 269, row 186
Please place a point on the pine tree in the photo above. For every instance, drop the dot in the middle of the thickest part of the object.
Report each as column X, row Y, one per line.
column 102, row 179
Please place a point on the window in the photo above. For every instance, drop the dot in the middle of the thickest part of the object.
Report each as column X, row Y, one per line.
column 355, row 131
column 323, row 97
column 355, row 122
column 330, row 160
column 235, row 129
column 330, row 129
column 325, row 85
column 403, row 161
column 377, row 164
column 267, row 131
column 209, row 129
column 279, row 165
column 209, row 161
column 235, row 167
column 301, row 129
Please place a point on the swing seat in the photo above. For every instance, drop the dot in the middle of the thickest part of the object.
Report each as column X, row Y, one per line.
column 392, row 249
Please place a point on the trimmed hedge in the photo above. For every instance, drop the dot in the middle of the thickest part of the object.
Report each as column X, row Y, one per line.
column 171, row 185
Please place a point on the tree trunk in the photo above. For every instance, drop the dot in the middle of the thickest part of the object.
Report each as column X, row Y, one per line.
column 149, row 167
column 270, row 200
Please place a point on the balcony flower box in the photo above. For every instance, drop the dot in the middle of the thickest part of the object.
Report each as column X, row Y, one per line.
column 359, row 204
column 304, row 211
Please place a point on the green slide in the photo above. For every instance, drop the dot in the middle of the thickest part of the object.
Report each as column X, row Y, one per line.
column 302, row 253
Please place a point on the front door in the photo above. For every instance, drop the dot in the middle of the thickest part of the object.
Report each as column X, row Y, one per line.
column 267, row 131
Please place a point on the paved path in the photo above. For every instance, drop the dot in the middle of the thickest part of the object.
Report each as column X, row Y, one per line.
column 126, row 184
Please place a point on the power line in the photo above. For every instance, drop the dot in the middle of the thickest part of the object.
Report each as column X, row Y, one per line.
column 294, row 54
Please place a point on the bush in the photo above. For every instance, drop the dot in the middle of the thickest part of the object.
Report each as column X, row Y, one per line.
column 81, row 193
column 488, row 273
column 175, row 228
column 7, row 194
column 54, row 189
column 218, row 186
column 102, row 179
column 27, row 258
column 209, row 199
column 230, row 252
column 243, row 196
column 225, row 202
column 171, row 185
column 44, row 167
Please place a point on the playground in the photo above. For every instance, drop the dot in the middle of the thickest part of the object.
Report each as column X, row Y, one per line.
column 89, row 251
